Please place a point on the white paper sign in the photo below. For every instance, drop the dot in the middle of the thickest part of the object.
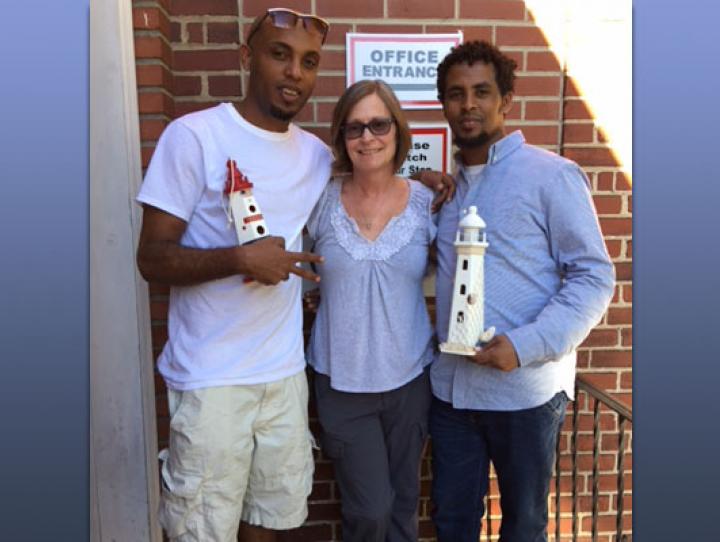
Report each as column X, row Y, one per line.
column 430, row 149
column 406, row 62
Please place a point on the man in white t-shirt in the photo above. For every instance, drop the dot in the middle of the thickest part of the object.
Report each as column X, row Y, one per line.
column 239, row 444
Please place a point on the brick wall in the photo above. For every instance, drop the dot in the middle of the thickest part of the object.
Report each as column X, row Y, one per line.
column 187, row 55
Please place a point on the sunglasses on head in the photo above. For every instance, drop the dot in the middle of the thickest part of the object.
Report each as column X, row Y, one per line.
column 378, row 127
column 287, row 18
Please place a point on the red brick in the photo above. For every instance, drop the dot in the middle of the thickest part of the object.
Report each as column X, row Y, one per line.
column 520, row 35
column 601, row 337
column 219, row 59
column 224, row 85
column 350, row 8
column 492, row 9
column 614, row 247
column 427, row 115
column 517, row 56
column 319, row 511
column 604, row 381
column 223, row 33
column 183, row 108
column 332, row 60
column 187, row 85
column 629, row 203
column 616, row 226
column 420, row 9
column 309, row 533
column 252, row 8
column 470, row 33
column 155, row 102
column 195, row 33
column 175, row 32
column 152, row 47
column 158, row 310
column 305, row 114
column 627, row 291
column 608, row 205
column 618, row 315
column 592, row 156
column 390, row 28
column 579, row 133
column 336, row 34
column 332, row 86
column 150, row 129
column 623, row 271
column 626, row 335
column 542, row 62
column 203, row 7
column 600, row 135
column 605, row 181
column 622, row 182
column 572, row 90
column 534, row 85
column 323, row 132
column 577, row 110
column 158, row 289
column 542, row 110
column 146, row 18
column 153, row 75
column 540, row 135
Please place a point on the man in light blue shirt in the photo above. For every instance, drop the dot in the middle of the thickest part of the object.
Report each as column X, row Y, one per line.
column 548, row 281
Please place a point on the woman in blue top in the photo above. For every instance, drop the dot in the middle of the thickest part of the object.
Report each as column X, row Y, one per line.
column 372, row 337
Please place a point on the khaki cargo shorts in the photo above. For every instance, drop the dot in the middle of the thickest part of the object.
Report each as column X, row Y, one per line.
column 236, row 452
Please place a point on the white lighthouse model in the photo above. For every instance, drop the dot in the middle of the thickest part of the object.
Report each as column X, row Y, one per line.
column 244, row 210
column 466, row 326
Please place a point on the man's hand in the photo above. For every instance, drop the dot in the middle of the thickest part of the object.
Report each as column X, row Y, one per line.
column 498, row 353
column 441, row 183
column 311, row 300
column 268, row 262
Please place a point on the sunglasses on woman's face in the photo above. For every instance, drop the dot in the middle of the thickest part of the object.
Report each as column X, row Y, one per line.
column 287, row 18
column 378, row 127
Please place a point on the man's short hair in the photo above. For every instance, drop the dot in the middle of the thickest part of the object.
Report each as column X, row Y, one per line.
column 478, row 51
column 347, row 101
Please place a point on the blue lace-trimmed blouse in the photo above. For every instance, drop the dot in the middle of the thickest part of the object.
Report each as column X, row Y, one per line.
column 372, row 332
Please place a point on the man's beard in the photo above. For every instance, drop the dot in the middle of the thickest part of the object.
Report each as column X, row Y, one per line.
column 472, row 142
column 280, row 114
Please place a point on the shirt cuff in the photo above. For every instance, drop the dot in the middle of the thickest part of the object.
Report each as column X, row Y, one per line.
column 529, row 345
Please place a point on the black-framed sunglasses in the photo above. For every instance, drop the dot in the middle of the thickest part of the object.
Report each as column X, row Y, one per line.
column 377, row 126
column 287, row 18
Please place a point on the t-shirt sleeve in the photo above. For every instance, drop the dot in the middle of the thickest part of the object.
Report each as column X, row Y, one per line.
column 174, row 181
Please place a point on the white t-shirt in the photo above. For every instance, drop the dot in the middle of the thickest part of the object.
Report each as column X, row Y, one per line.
column 226, row 332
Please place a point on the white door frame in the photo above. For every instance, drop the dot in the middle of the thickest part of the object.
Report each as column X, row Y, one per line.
column 123, row 442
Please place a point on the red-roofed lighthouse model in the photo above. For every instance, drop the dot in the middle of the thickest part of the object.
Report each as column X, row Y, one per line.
column 467, row 314
column 249, row 222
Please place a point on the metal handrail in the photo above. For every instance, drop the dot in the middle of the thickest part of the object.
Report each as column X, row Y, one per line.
column 583, row 384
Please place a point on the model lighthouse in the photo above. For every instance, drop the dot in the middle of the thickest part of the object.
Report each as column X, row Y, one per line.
column 249, row 222
column 466, row 325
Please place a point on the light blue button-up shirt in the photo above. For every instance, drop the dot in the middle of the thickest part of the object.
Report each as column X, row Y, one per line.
column 548, row 277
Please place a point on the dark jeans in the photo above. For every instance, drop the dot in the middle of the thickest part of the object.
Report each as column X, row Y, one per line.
column 375, row 441
column 520, row 444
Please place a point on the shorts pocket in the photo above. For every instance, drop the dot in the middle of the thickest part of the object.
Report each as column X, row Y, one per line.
column 180, row 497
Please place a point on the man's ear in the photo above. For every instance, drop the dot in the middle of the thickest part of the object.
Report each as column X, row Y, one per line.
column 507, row 103
column 245, row 57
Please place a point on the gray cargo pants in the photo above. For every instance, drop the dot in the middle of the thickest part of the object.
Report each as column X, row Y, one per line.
column 375, row 441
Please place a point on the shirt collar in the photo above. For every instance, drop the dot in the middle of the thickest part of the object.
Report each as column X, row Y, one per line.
column 501, row 149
